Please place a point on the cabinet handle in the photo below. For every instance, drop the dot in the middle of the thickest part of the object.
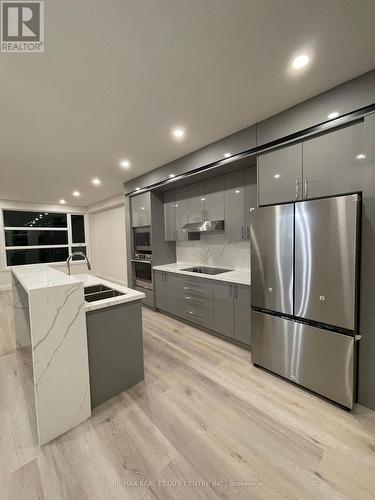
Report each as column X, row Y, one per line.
column 194, row 314
column 235, row 291
column 242, row 233
column 194, row 290
column 202, row 215
column 297, row 189
column 306, row 187
column 200, row 301
column 230, row 290
column 248, row 232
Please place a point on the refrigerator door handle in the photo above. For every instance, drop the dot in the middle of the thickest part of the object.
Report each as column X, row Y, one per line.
column 306, row 187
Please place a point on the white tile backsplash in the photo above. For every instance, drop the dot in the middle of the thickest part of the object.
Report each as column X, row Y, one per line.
column 214, row 250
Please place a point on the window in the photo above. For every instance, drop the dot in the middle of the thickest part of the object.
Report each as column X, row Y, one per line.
column 42, row 237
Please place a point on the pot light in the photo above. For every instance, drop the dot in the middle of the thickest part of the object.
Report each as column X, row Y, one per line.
column 237, row 191
column 96, row 181
column 333, row 115
column 171, row 176
column 76, row 194
column 62, row 202
column 300, row 61
column 361, row 156
column 227, row 155
column 137, row 189
column 277, row 176
column 178, row 133
column 125, row 164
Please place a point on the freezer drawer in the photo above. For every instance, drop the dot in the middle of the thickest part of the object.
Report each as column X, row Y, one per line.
column 326, row 260
column 272, row 243
column 317, row 359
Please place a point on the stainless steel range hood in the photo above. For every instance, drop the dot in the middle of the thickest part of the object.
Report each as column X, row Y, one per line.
column 212, row 226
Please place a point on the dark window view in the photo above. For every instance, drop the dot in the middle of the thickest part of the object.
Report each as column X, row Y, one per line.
column 78, row 249
column 36, row 256
column 78, row 229
column 14, row 218
column 17, row 238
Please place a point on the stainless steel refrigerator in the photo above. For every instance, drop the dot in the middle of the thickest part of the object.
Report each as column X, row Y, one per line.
column 305, row 274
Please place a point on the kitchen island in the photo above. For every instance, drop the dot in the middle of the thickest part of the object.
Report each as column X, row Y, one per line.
column 50, row 319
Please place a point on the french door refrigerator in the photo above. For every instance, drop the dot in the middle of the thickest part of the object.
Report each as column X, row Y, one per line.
column 305, row 272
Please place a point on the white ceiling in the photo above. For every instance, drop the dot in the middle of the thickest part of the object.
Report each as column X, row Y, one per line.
column 117, row 75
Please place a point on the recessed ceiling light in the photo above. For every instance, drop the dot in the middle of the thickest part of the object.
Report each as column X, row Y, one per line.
column 361, row 156
column 178, row 133
column 333, row 115
column 137, row 189
column 300, row 61
column 237, row 191
column 125, row 164
column 76, row 194
column 62, row 202
column 227, row 155
column 96, row 181
column 277, row 176
column 171, row 176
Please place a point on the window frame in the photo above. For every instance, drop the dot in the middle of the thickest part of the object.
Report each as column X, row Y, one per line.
column 70, row 245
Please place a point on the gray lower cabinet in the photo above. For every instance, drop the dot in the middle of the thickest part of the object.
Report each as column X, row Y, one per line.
column 115, row 350
column 195, row 300
column 331, row 165
column 223, row 309
column 242, row 313
column 165, row 289
column 232, row 311
column 280, row 175
column 140, row 210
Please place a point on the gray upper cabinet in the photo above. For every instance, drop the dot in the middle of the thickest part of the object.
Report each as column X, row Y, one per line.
column 330, row 162
column 181, row 213
column 251, row 196
column 242, row 313
column 214, row 199
column 223, row 308
column 170, row 216
column 195, row 202
column 235, row 206
column 280, row 175
column 140, row 210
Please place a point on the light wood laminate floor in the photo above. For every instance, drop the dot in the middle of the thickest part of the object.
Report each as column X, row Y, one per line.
column 204, row 424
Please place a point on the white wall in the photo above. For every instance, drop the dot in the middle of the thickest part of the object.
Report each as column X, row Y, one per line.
column 108, row 244
column 77, row 268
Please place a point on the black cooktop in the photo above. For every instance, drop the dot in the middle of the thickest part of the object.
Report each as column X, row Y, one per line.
column 206, row 270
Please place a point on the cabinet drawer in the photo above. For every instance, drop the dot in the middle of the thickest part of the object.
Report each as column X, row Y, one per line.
column 196, row 286
column 201, row 314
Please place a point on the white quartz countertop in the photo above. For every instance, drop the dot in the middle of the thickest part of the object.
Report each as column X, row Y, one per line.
column 241, row 277
column 36, row 276
column 129, row 294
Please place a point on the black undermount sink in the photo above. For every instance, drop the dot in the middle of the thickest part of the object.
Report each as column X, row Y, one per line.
column 206, row 270
column 100, row 292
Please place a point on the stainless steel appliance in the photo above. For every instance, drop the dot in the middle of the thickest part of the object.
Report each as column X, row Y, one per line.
column 143, row 270
column 142, row 239
column 210, row 226
column 305, row 270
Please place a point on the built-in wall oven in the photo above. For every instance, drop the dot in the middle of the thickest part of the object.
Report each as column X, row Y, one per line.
column 142, row 270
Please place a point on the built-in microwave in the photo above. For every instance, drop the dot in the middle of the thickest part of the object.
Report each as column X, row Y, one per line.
column 142, row 239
